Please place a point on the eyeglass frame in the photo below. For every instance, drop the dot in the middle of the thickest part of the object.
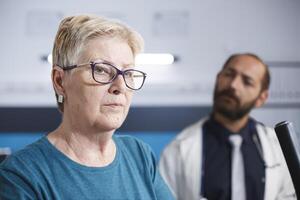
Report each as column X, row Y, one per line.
column 119, row 72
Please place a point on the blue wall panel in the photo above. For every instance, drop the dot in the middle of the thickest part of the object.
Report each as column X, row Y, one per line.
column 156, row 126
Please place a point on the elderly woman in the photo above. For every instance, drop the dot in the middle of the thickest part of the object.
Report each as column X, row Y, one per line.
column 94, row 78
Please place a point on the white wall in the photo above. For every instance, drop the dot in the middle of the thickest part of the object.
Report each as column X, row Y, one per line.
column 201, row 33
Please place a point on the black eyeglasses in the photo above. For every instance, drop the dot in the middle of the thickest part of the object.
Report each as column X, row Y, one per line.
column 105, row 73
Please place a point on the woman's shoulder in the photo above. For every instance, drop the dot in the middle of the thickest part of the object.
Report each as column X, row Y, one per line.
column 25, row 157
column 130, row 141
column 134, row 146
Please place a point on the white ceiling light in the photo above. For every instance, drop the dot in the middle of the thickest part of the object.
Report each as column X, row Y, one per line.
column 154, row 59
column 49, row 58
column 145, row 59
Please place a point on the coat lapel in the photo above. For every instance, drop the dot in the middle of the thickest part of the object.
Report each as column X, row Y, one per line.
column 192, row 149
column 272, row 176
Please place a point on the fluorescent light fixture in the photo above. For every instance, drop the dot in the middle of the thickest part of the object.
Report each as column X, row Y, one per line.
column 154, row 59
column 49, row 58
column 145, row 59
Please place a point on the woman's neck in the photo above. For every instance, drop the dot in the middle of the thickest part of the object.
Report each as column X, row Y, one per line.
column 89, row 149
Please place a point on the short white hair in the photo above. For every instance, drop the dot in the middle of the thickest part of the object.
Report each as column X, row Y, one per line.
column 74, row 32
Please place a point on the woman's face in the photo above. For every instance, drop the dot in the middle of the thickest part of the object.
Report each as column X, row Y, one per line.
column 91, row 105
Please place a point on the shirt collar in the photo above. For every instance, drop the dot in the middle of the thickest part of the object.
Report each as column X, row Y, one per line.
column 222, row 133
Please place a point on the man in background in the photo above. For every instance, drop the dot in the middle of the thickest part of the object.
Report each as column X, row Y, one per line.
column 229, row 155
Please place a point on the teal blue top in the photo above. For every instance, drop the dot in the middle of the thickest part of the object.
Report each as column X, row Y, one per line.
column 40, row 171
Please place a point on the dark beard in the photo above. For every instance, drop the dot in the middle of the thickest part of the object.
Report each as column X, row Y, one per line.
column 232, row 114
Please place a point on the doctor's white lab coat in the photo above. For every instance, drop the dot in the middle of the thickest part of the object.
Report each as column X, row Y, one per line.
column 181, row 160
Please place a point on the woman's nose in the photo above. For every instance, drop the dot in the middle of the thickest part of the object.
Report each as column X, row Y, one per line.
column 118, row 85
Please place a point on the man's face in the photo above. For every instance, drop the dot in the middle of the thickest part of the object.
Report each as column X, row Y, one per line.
column 238, row 87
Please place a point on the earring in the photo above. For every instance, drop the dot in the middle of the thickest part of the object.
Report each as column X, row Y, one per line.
column 60, row 98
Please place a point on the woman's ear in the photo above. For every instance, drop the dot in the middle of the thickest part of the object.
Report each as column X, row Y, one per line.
column 262, row 98
column 57, row 77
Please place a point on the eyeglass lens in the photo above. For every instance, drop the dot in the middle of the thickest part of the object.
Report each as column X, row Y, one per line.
column 105, row 73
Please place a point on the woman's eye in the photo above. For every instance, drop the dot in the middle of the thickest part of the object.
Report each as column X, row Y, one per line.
column 129, row 74
column 101, row 69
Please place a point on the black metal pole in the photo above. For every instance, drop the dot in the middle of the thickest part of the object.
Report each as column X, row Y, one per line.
column 290, row 147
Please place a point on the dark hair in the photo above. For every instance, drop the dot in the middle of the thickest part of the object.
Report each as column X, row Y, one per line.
column 266, row 79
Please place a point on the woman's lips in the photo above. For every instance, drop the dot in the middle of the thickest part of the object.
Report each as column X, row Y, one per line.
column 114, row 106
